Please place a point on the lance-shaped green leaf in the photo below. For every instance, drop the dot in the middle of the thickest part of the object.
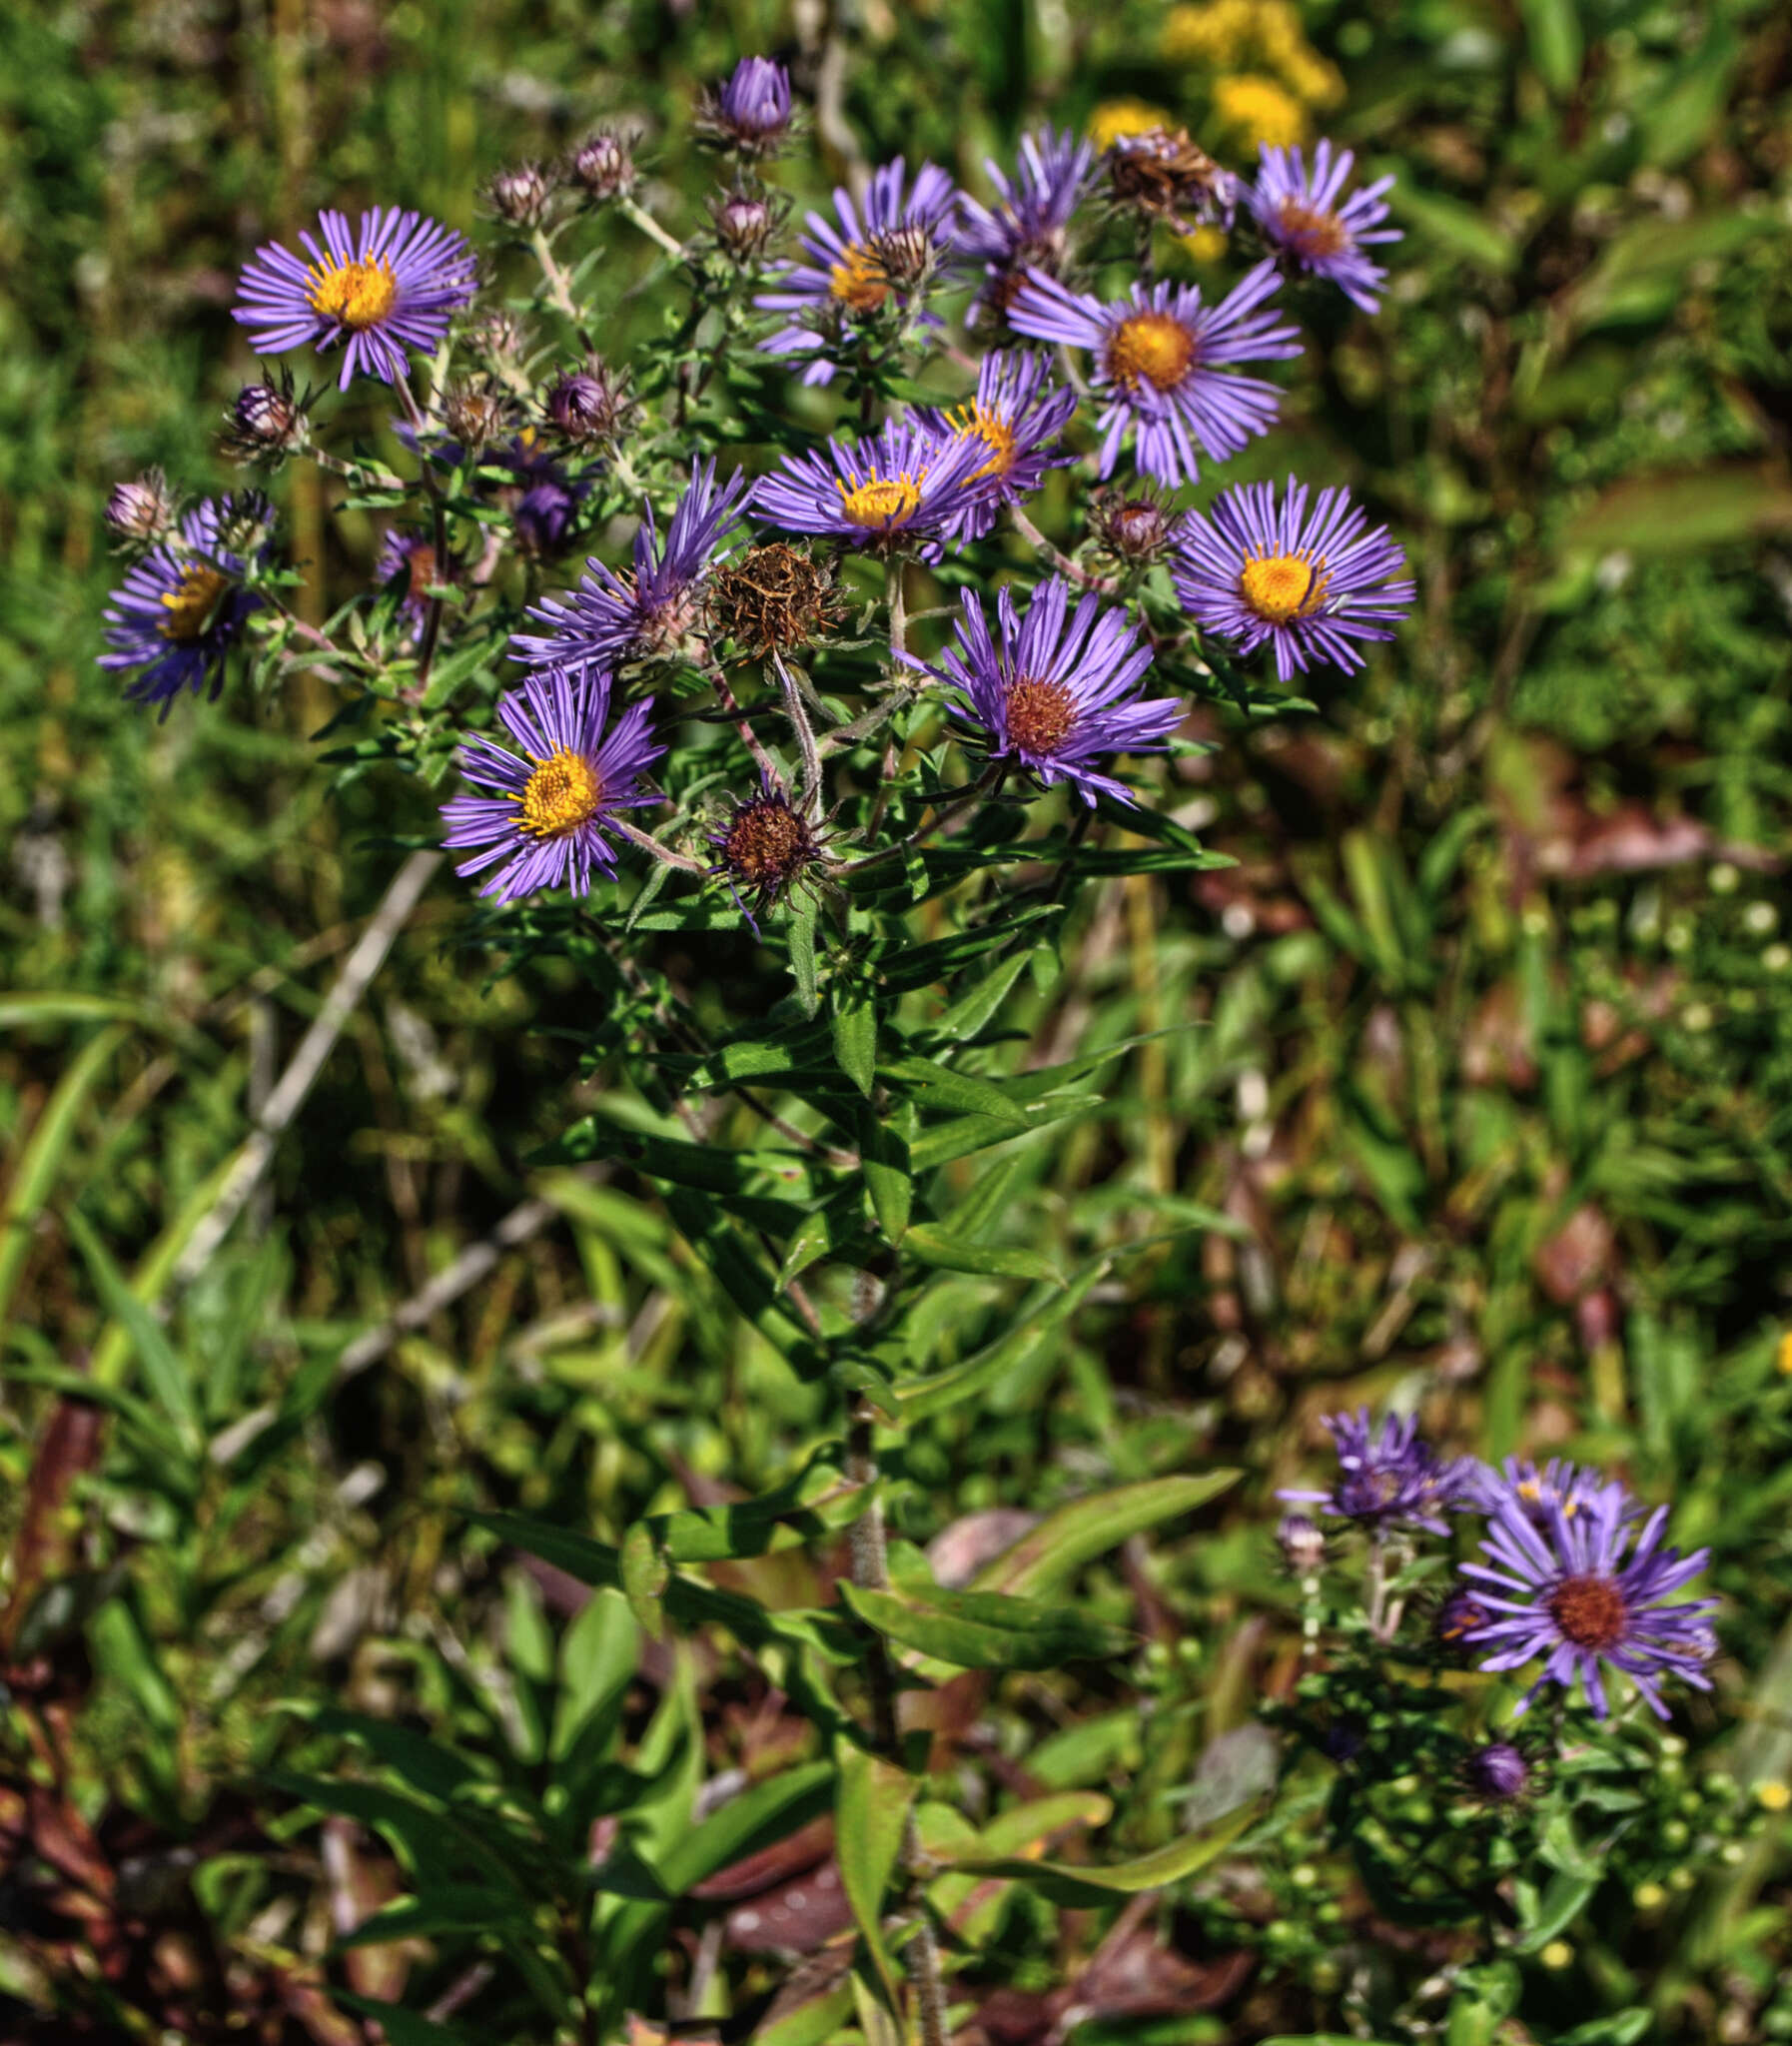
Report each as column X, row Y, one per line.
column 854, row 1025
column 938, row 1087
column 984, row 1630
column 928, row 1244
column 162, row 1370
column 1078, row 1887
column 767, row 1813
column 645, row 1574
column 870, row 1813
column 1076, row 1534
column 919, row 1398
column 817, row 1503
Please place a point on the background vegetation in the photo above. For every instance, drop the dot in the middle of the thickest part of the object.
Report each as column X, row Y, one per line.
column 1491, row 1083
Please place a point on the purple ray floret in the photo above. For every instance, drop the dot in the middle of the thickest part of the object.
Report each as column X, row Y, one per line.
column 1050, row 693
column 907, row 483
column 861, row 263
column 1534, row 1488
column 1016, row 418
column 1314, row 584
column 540, row 820
column 1566, row 1593
column 753, row 108
column 610, row 617
column 1391, row 1478
column 182, row 608
column 1027, row 224
column 392, row 285
column 1164, row 357
column 1300, row 215
column 410, row 553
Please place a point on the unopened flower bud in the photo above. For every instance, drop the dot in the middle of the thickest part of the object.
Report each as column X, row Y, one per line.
column 266, row 424
column 1302, row 1543
column 587, row 404
column 500, row 336
column 141, row 511
column 603, row 166
column 475, row 413
column 1498, row 1770
column 743, row 223
column 752, row 113
column 521, row 195
column 1135, row 527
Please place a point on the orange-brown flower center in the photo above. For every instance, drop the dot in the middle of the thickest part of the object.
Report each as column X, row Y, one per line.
column 1282, row 587
column 766, row 843
column 562, row 793
column 881, row 501
column 190, row 606
column 1154, row 346
column 860, row 280
column 996, row 433
column 422, row 570
column 1313, row 230
column 358, row 294
column 1039, row 715
column 1590, row 1611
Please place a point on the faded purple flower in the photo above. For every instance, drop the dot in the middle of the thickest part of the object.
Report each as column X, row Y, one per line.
column 182, row 608
column 1016, row 418
column 1050, row 692
column 542, row 825
column 905, row 484
column 1566, row 1591
column 1026, row 228
column 612, row 617
column 1390, row 1477
column 406, row 553
column 1300, row 215
column 884, row 256
column 1316, row 585
column 393, row 285
column 1165, row 359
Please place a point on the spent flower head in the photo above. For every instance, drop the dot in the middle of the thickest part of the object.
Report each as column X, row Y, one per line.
column 1029, row 226
column 1164, row 176
column 766, row 846
column 773, row 598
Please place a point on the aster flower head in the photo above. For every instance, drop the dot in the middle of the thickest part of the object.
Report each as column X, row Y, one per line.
column 1299, row 214
column 905, row 486
column 267, row 422
column 1055, row 689
column 765, row 847
column 1390, row 1477
column 1135, row 524
column 603, row 166
column 1164, row 176
column 1534, row 1490
column 773, row 598
column 1499, row 1772
column 142, row 511
column 1164, row 358
column 744, row 221
column 1016, row 419
column 1455, row 1621
column 1314, row 584
column 541, row 497
column 587, row 405
column 864, row 266
column 649, row 609
column 392, row 285
column 1589, row 1592
column 539, row 818
column 1028, row 225
column 408, row 552
column 520, row 194
column 183, row 607
column 751, row 112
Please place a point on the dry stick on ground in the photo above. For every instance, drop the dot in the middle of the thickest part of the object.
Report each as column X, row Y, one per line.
column 257, row 1155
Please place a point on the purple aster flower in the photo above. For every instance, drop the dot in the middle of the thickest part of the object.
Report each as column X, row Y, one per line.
column 765, row 847
column 1299, row 216
column 1016, row 418
column 1163, row 355
column 1535, row 1490
column 905, row 484
column 1498, row 1772
column 752, row 111
column 1569, row 1592
column 1025, row 229
column 393, row 285
column 409, row 553
column 610, row 617
column 1390, row 1477
column 882, row 257
column 544, row 825
column 183, row 607
column 1316, row 585
column 1051, row 694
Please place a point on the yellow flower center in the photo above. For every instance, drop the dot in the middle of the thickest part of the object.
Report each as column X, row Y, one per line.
column 1154, row 346
column 190, row 606
column 860, row 282
column 977, row 421
column 1281, row 588
column 562, row 793
column 1312, row 230
column 1040, row 715
column 356, row 294
column 882, row 501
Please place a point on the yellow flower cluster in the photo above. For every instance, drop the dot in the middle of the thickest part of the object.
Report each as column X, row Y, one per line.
column 1114, row 118
column 1224, row 35
column 1259, row 110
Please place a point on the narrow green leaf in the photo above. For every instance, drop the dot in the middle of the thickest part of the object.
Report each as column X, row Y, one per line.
column 939, row 1087
column 802, row 940
column 162, row 1370
column 645, row 1573
column 929, row 1244
column 810, row 2023
column 985, row 1631
column 759, row 1816
column 1077, row 1886
column 855, row 1035
column 1063, row 1542
column 920, row 1398
column 870, row 1812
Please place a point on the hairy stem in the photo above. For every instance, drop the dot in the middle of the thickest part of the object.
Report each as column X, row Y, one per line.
column 633, row 210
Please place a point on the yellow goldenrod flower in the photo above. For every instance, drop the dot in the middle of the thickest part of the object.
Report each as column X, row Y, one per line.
column 1259, row 111
column 1782, row 1357
column 1206, row 244
column 1219, row 33
column 1772, row 1796
column 1114, row 118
